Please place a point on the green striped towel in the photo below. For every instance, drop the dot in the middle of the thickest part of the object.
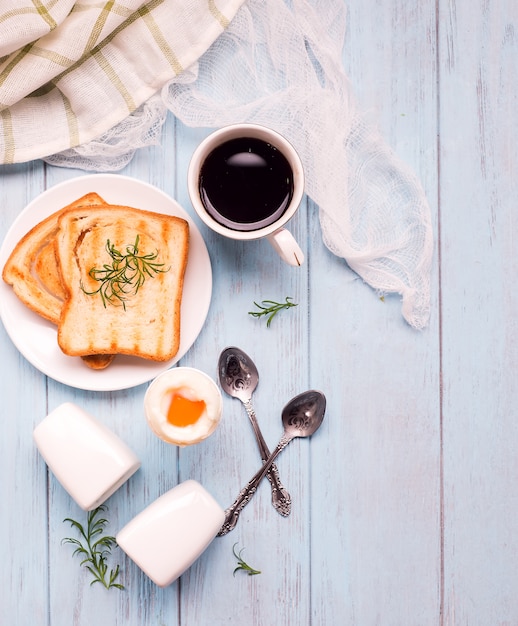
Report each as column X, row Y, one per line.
column 70, row 71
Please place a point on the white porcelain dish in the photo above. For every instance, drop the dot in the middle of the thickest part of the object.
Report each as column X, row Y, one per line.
column 36, row 338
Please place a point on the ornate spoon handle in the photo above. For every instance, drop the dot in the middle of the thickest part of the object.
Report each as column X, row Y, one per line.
column 281, row 499
column 245, row 495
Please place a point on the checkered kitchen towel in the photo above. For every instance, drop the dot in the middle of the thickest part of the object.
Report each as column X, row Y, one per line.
column 70, row 71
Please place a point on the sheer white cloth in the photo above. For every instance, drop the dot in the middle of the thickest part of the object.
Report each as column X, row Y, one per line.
column 279, row 64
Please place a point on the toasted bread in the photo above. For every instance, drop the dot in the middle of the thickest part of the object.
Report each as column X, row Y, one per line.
column 19, row 270
column 32, row 271
column 45, row 269
column 146, row 323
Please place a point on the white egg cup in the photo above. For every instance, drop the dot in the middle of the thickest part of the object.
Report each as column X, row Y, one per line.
column 172, row 532
column 198, row 384
column 88, row 459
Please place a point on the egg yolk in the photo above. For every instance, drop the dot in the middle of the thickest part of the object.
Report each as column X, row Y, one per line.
column 184, row 412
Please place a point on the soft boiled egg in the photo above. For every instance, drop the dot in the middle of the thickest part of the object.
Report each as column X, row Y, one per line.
column 183, row 406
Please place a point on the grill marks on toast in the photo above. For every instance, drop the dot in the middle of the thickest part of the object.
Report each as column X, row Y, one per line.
column 149, row 324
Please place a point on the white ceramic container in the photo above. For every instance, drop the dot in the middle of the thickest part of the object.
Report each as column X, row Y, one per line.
column 172, row 532
column 90, row 461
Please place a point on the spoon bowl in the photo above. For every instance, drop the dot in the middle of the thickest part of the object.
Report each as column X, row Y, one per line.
column 238, row 377
column 301, row 417
column 238, row 374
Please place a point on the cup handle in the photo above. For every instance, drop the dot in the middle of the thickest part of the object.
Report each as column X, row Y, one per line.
column 286, row 247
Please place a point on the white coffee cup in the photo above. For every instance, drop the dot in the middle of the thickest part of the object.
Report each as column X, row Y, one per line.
column 270, row 226
column 90, row 461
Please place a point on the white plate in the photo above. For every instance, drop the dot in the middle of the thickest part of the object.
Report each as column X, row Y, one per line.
column 36, row 338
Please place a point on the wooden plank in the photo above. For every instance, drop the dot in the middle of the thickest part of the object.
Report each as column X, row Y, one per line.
column 23, row 514
column 479, row 77
column 376, row 479
column 123, row 412
column 244, row 273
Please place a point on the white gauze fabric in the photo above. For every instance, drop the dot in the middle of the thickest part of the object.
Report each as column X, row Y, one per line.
column 279, row 64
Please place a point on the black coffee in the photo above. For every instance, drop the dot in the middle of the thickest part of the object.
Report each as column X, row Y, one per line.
column 246, row 184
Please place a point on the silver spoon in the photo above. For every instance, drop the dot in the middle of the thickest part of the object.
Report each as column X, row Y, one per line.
column 301, row 417
column 238, row 376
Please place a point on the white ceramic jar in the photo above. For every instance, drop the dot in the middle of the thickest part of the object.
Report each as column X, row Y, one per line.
column 90, row 461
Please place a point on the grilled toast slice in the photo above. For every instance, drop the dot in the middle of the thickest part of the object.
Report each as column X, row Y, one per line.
column 32, row 271
column 20, row 274
column 145, row 320
column 46, row 270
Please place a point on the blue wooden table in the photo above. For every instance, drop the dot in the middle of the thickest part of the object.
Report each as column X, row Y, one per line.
column 405, row 503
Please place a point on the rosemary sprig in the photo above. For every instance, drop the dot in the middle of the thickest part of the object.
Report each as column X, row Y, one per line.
column 94, row 549
column 125, row 275
column 241, row 565
column 271, row 308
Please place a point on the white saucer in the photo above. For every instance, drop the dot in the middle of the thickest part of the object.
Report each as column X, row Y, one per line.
column 36, row 338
